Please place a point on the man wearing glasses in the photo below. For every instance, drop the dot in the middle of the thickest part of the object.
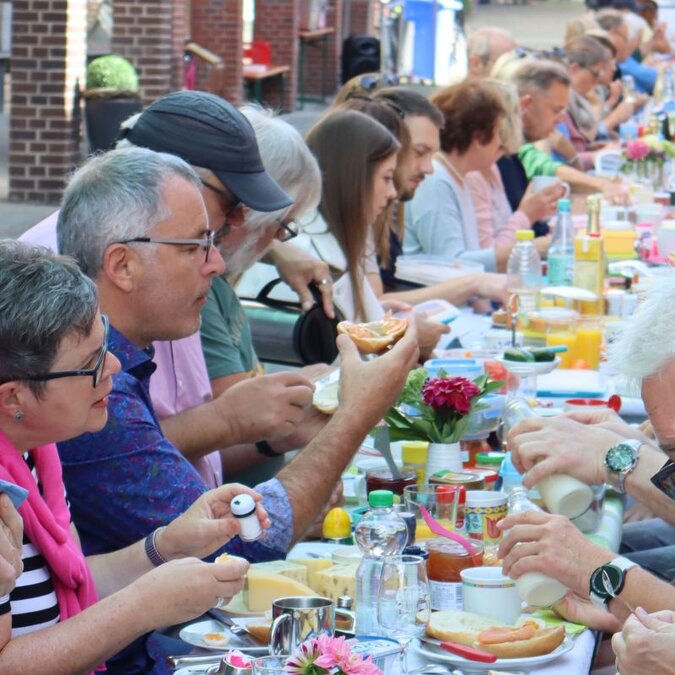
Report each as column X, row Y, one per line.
column 136, row 223
column 600, row 447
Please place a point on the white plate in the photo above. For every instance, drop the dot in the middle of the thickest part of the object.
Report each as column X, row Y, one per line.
column 192, row 670
column 192, row 634
column 529, row 367
column 430, row 651
column 311, row 549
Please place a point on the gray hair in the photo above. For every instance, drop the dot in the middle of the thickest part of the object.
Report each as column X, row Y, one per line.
column 587, row 51
column 289, row 161
column 647, row 342
column 539, row 75
column 115, row 196
column 610, row 19
column 478, row 43
column 43, row 298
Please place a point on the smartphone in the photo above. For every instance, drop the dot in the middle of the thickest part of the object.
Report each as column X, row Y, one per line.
column 16, row 493
column 664, row 479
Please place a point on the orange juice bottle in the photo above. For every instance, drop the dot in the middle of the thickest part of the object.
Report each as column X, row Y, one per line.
column 589, row 340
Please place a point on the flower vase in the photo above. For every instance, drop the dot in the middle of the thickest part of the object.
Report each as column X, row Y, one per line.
column 443, row 457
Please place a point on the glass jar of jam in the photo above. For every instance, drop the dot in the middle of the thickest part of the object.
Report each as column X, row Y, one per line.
column 447, row 559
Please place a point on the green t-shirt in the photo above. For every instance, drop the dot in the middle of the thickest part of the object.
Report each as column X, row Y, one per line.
column 228, row 349
column 226, row 334
column 537, row 163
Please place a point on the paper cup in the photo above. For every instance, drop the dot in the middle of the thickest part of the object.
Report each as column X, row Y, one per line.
column 483, row 509
column 486, row 591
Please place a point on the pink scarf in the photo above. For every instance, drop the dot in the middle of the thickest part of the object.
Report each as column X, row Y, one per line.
column 46, row 519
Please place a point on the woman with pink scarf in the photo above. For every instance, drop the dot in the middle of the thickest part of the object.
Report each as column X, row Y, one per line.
column 70, row 613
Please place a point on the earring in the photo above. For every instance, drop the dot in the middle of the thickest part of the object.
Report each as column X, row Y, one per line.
column 18, row 417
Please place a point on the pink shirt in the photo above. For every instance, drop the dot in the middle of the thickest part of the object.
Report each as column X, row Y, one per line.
column 181, row 382
column 497, row 224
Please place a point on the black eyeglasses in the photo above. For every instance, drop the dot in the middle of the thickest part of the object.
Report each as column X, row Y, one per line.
column 233, row 205
column 287, row 231
column 95, row 373
column 205, row 243
column 664, row 479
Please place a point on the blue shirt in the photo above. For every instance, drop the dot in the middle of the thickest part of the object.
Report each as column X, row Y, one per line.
column 128, row 479
column 645, row 76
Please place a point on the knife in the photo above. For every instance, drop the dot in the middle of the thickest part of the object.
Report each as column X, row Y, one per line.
column 382, row 443
column 468, row 652
column 241, row 633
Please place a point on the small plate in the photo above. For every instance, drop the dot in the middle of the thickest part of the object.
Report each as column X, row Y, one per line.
column 529, row 367
column 429, row 649
column 192, row 634
column 192, row 670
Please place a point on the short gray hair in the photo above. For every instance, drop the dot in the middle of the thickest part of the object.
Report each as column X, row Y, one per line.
column 115, row 196
column 43, row 298
column 478, row 43
column 539, row 75
column 289, row 161
column 610, row 19
column 647, row 342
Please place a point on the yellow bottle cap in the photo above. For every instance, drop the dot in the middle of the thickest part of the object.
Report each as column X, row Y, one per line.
column 414, row 452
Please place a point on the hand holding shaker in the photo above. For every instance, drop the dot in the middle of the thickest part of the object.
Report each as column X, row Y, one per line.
column 561, row 493
column 243, row 509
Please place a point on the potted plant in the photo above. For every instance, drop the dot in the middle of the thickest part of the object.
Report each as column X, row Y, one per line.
column 111, row 96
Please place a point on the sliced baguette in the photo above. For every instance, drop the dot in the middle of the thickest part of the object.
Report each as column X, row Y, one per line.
column 544, row 642
column 457, row 626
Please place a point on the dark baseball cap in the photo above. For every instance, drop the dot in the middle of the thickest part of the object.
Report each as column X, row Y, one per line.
column 207, row 131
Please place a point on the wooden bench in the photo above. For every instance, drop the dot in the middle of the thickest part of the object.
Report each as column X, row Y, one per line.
column 255, row 75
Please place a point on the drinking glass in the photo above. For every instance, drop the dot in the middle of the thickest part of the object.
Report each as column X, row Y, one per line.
column 403, row 605
column 270, row 665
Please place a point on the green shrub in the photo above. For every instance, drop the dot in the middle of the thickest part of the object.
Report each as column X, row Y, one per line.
column 112, row 72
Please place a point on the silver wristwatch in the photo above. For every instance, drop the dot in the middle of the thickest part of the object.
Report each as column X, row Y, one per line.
column 620, row 460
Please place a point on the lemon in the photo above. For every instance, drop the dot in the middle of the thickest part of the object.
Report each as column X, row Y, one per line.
column 337, row 524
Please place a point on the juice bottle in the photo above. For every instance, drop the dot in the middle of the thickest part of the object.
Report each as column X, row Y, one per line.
column 589, row 260
column 589, row 340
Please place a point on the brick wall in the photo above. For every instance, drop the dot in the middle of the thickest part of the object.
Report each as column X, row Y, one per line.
column 217, row 25
column 180, row 30
column 362, row 17
column 142, row 32
column 48, row 67
column 276, row 21
column 333, row 46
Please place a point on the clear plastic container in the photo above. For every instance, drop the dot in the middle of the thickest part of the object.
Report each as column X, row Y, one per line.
column 380, row 532
column 561, row 251
column 523, row 271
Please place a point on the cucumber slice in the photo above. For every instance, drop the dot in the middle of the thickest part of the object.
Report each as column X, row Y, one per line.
column 522, row 355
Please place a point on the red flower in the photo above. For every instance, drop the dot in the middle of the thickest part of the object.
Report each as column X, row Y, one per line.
column 449, row 394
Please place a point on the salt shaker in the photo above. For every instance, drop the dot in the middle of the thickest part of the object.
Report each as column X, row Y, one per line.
column 243, row 508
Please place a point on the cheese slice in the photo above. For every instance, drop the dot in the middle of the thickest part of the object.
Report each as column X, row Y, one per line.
column 261, row 589
column 287, row 568
column 313, row 565
column 336, row 581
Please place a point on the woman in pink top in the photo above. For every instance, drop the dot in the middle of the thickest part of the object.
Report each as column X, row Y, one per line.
column 497, row 224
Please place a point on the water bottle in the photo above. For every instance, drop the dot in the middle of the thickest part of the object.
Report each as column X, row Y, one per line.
column 524, row 271
column 534, row 588
column 561, row 250
column 380, row 532
column 561, row 493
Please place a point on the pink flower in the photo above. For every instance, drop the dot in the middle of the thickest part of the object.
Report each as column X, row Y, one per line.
column 449, row 394
column 334, row 651
column 636, row 150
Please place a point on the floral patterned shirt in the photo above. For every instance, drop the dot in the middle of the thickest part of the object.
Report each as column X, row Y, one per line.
column 128, row 479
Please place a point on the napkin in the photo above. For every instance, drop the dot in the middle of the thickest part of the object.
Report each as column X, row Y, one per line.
column 551, row 619
column 16, row 494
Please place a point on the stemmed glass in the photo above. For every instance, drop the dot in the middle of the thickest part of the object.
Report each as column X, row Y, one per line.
column 403, row 605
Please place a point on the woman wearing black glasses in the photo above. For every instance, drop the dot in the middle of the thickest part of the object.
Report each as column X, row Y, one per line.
column 69, row 613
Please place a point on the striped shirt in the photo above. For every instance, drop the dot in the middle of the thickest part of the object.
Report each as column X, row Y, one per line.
column 33, row 601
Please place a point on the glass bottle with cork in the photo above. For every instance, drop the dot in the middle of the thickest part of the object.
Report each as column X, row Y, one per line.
column 589, row 259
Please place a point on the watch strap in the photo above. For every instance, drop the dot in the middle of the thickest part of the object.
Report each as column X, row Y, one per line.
column 265, row 449
column 619, row 563
column 155, row 557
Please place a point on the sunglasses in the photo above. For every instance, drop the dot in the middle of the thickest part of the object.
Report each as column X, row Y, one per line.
column 664, row 479
column 370, row 82
column 95, row 373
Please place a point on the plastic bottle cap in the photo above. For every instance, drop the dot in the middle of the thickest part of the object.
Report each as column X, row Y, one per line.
column 242, row 506
column 414, row 452
column 564, row 204
column 381, row 498
column 495, row 458
column 524, row 235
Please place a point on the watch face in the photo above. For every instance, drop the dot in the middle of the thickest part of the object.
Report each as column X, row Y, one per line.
column 620, row 457
column 606, row 581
